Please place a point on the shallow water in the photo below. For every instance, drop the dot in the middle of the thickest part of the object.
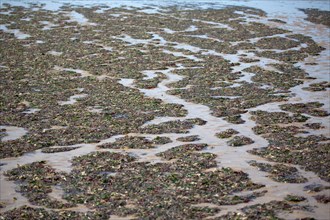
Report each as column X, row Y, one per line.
column 73, row 99
column 18, row 34
column 31, row 110
column 13, row 133
column 75, row 16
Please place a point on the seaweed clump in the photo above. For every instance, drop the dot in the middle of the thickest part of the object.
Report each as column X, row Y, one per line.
column 317, row 16
column 190, row 138
column 35, row 181
column 280, row 172
column 178, row 126
column 240, row 141
column 136, row 142
column 227, row 133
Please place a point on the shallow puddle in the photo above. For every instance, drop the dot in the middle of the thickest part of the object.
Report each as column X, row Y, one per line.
column 18, row 34
column 80, row 18
column 12, row 132
column 72, row 99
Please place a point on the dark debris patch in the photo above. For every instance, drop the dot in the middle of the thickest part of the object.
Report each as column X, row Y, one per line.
column 316, row 87
column 190, row 138
column 197, row 160
column 280, row 172
column 235, row 119
column 248, row 60
column 290, row 77
column 27, row 212
column 248, row 95
column 35, row 181
column 89, row 181
column 124, row 111
column 276, row 43
column 178, row 126
column 3, row 133
column 293, row 56
column 166, row 190
column 176, row 189
column 136, row 142
column 161, row 140
column 106, row 162
column 290, row 141
column 277, row 21
column 259, row 211
column 227, row 133
column 310, row 152
column 266, row 118
column 317, row 16
column 57, row 149
column 311, row 155
column 115, row 183
column 315, row 187
column 34, row 79
column 238, row 141
column 325, row 199
column 290, row 56
column 294, row 198
column 310, row 108
column 273, row 128
column 314, row 126
column 150, row 83
column 180, row 151
column 312, row 64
